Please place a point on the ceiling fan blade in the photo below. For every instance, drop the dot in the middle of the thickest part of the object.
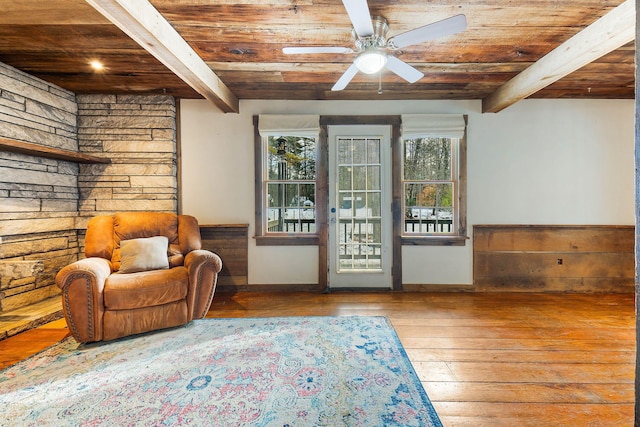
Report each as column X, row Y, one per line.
column 446, row 27
column 315, row 49
column 403, row 69
column 358, row 11
column 344, row 80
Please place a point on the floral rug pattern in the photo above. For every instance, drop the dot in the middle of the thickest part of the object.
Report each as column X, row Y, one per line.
column 288, row 371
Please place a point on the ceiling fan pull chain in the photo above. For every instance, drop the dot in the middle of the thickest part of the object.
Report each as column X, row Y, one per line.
column 380, row 82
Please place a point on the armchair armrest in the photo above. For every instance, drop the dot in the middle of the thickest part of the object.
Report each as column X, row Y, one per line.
column 203, row 267
column 82, row 285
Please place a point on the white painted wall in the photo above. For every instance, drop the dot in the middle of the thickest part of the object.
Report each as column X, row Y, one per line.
column 537, row 162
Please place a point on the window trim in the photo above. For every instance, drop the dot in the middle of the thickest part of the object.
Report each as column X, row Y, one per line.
column 318, row 239
column 459, row 238
column 276, row 239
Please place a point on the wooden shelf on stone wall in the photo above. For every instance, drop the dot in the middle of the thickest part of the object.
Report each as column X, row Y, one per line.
column 38, row 150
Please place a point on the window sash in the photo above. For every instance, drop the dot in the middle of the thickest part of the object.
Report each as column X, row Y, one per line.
column 432, row 220
column 289, row 213
column 283, row 217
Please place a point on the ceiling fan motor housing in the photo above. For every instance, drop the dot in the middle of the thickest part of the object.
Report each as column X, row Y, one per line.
column 377, row 40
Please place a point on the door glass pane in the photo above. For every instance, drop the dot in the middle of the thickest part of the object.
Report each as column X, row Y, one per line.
column 359, row 177
column 373, row 177
column 360, row 202
column 359, row 151
column 374, row 204
column 359, row 197
column 344, row 152
column 344, row 178
column 345, row 201
column 373, row 151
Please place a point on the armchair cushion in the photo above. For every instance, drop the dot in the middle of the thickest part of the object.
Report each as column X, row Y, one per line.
column 148, row 253
column 135, row 225
column 145, row 289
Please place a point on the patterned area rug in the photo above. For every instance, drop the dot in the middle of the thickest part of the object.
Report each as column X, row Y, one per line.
column 295, row 371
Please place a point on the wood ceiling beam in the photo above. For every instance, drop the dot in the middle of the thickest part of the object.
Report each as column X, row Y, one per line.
column 332, row 68
column 608, row 33
column 144, row 24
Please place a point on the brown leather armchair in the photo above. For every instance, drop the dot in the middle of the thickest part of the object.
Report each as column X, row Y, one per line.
column 120, row 289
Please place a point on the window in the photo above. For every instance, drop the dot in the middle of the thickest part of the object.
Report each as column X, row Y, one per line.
column 428, row 185
column 286, row 175
column 433, row 169
column 290, row 184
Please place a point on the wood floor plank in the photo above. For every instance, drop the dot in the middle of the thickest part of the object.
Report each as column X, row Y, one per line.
column 500, row 332
column 485, row 359
column 549, row 344
column 28, row 343
column 601, row 355
column 516, row 372
column 605, row 393
column 489, row 414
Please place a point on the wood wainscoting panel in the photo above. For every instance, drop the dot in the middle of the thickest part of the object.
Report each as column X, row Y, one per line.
column 557, row 258
column 231, row 243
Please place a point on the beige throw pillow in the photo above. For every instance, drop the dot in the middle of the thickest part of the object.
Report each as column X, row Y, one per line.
column 149, row 253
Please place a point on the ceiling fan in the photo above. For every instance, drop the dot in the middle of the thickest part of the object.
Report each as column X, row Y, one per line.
column 372, row 44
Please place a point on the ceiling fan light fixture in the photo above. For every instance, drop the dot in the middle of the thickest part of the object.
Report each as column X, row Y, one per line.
column 371, row 61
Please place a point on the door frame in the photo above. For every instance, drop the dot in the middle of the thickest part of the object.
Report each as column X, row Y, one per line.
column 323, row 193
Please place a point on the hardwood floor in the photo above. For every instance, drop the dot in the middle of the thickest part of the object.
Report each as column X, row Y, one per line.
column 485, row 359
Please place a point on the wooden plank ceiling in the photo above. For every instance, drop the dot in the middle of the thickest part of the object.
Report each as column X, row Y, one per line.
column 242, row 41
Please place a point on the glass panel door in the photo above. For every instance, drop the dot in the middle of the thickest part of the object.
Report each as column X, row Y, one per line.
column 360, row 214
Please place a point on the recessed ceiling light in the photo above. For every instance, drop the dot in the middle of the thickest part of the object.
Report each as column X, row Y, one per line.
column 97, row 65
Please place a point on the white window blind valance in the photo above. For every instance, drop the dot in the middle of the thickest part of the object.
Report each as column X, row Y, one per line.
column 433, row 125
column 307, row 125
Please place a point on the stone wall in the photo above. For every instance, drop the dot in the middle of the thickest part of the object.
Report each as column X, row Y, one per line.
column 138, row 134
column 45, row 204
column 38, row 196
